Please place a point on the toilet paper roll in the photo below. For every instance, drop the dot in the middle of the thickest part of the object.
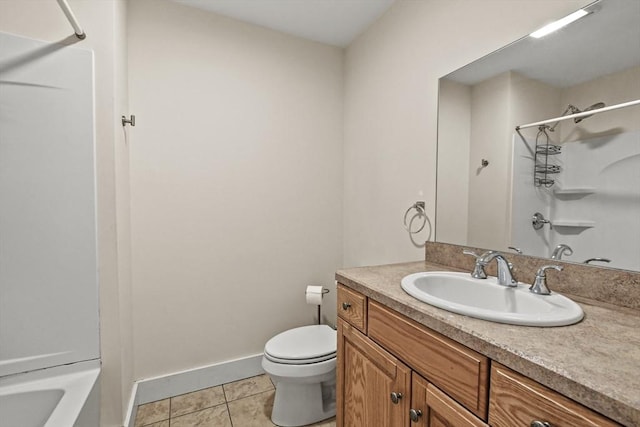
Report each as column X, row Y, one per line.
column 314, row 295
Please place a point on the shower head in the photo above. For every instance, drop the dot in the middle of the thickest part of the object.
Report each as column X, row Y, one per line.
column 572, row 109
column 589, row 108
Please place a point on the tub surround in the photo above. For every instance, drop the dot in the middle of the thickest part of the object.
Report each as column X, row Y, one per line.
column 49, row 306
column 594, row 362
column 48, row 303
column 66, row 395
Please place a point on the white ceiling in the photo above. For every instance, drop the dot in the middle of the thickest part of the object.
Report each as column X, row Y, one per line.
column 335, row 22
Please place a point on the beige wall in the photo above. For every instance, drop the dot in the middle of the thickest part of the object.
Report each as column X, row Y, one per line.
column 490, row 109
column 454, row 137
column 123, row 214
column 391, row 84
column 236, row 184
column 103, row 23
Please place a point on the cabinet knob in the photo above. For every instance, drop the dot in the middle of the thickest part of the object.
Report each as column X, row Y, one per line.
column 395, row 397
column 414, row 414
column 345, row 305
column 536, row 423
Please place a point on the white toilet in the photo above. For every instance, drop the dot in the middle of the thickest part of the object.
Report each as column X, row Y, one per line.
column 302, row 364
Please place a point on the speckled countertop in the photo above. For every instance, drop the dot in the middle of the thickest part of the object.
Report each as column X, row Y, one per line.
column 595, row 362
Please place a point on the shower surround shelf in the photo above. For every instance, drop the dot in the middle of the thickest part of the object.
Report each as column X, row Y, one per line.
column 574, row 191
column 574, row 223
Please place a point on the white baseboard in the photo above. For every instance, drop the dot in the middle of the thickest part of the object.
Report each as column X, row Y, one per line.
column 162, row 387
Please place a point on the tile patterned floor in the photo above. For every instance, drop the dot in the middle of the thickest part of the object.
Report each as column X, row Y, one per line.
column 245, row 403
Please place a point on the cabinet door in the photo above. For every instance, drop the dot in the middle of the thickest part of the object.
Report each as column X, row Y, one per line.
column 373, row 386
column 436, row 409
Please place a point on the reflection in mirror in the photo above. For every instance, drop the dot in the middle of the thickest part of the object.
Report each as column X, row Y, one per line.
column 582, row 176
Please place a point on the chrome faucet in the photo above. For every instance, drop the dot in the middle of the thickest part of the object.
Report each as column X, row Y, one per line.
column 539, row 286
column 505, row 276
column 560, row 250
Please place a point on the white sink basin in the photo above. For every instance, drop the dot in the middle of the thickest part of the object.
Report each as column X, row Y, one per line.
column 486, row 299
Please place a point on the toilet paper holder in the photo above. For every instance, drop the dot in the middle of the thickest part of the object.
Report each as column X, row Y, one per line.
column 324, row 291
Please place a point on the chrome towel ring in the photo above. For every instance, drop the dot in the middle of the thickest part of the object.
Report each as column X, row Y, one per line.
column 420, row 213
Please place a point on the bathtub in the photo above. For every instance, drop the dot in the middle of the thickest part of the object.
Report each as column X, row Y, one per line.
column 62, row 396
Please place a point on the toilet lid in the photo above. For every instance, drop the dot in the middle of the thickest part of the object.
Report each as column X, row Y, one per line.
column 306, row 344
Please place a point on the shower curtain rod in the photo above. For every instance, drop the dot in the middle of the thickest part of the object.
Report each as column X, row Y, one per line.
column 581, row 114
column 72, row 19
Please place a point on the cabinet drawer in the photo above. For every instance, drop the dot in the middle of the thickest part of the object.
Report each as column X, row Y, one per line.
column 518, row 400
column 352, row 307
column 455, row 369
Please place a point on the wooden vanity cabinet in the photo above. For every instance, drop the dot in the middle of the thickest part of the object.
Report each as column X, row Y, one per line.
column 393, row 371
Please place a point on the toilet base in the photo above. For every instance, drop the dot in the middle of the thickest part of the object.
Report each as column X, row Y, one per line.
column 299, row 404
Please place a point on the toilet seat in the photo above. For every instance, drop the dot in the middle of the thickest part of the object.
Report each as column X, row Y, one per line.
column 299, row 361
column 301, row 346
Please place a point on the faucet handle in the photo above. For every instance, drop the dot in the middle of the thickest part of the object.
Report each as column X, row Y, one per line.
column 478, row 270
column 560, row 250
column 470, row 252
column 590, row 260
column 480, row 258
column 541, row 270
column 539, row 285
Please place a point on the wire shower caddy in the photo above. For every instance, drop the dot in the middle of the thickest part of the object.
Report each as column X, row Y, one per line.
column 543, row 169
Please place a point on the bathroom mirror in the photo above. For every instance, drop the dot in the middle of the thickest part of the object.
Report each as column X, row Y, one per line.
column 490, row 180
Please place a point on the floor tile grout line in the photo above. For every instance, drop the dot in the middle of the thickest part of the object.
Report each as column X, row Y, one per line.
column 199, row 410
column 204, row 408
column 229, row 413
column 226, row 402
column 251, row 395
column 224, row 393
